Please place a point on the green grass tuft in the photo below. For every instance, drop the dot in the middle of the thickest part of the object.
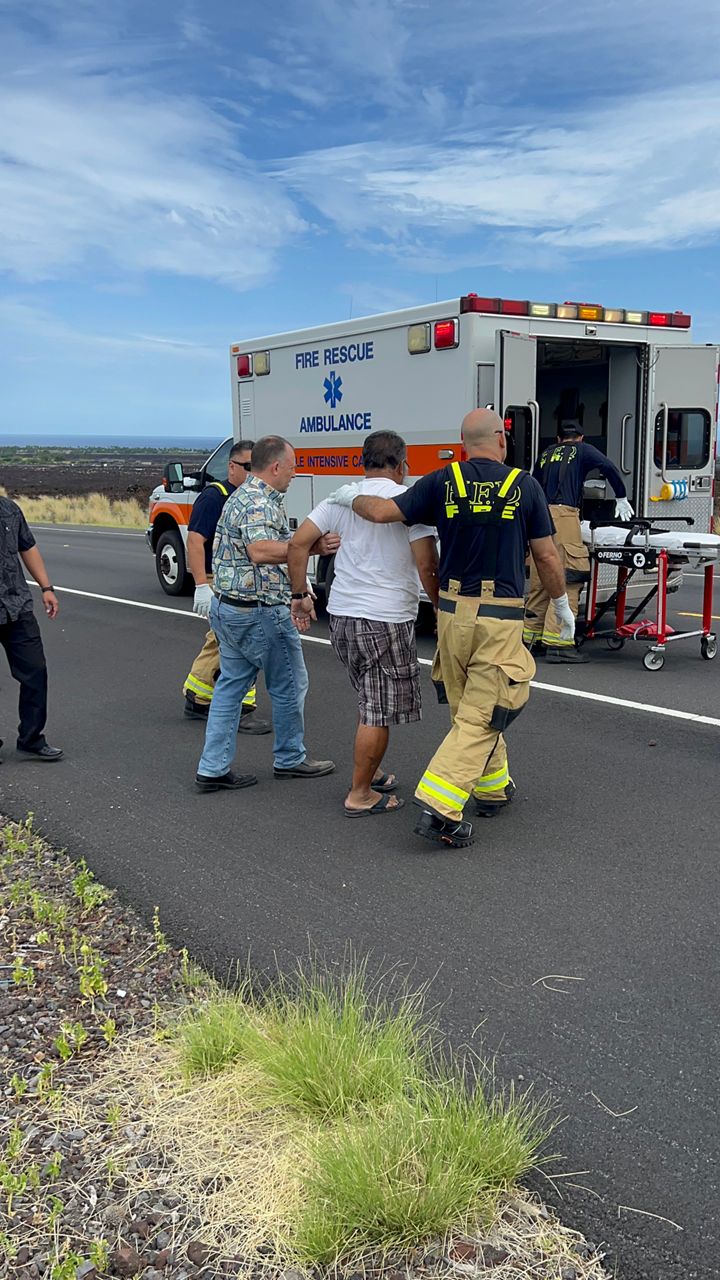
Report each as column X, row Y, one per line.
column 325, row 1046
column 329, row 1046
column 414, row 1170
column 396, row 1144
column 213, row 1038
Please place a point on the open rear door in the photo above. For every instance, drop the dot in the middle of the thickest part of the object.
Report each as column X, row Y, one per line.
column 680, row 431
column 515, row 395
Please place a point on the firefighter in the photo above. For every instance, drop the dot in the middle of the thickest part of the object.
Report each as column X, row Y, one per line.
column 485, row 513
column 199, row 685
column 561, row 471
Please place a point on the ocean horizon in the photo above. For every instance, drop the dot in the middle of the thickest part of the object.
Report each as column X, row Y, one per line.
column 176, row 444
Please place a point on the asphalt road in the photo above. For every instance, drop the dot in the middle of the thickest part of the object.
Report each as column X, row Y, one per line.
column 604, row 872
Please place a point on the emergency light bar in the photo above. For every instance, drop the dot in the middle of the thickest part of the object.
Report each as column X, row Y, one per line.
column 573, row 311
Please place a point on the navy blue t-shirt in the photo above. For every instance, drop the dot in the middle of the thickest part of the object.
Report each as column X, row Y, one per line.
column 205, row 515
column 461, row 544
column 582, row 459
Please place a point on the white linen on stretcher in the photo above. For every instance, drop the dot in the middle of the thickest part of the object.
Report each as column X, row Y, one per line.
column 679, row 542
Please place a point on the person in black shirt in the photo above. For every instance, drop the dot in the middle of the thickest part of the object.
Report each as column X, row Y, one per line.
column 19, row 631
column 562, row 470
column 199, row 685
column 485, row 513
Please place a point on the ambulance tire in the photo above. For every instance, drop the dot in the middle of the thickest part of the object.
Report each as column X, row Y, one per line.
column 170, row 563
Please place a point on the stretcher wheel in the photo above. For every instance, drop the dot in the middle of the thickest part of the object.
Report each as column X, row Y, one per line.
column 615, row 643
column 708, row 647
column 653, row 661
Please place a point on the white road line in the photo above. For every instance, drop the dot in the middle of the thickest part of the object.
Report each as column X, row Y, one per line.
column 136, row 604
column 627, row 703
column 74, row 528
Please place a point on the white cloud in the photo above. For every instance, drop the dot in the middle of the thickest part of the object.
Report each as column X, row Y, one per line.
column 96, row 169
column 34, row 332
column 640, row 173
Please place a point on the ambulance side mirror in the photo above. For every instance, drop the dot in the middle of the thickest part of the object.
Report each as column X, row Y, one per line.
column 173, row 477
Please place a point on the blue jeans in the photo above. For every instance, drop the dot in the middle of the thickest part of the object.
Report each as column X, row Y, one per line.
column 252, row 640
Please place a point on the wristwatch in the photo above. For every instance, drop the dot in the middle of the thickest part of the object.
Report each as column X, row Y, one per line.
column 299, row 595
column 49, row 587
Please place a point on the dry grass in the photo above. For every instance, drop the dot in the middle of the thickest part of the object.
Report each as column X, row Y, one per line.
column 89, row 508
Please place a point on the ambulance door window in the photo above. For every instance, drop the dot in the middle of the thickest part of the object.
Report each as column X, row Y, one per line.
column 518, row 430
column 216, row 467
column 688, row 439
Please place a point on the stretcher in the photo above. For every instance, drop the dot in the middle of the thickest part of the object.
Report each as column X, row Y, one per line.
column 640, row 546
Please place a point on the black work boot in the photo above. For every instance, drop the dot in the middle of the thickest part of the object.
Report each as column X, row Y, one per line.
column 195, row 710
column 431, row 826
column 491, row 808
column 566, row 654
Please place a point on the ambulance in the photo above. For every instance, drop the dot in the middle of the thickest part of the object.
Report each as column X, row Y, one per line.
column 645, row 394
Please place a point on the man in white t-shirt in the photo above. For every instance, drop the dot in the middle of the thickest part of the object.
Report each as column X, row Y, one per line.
column 373, row 606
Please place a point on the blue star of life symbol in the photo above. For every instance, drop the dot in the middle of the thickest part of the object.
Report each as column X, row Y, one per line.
column 333, row 389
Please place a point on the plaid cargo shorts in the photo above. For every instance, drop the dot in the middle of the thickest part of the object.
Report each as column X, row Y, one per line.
column 381, row 660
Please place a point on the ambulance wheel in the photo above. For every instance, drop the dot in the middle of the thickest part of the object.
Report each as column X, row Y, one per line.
column 653, row 661
column 708, row 648
column 170, row 562
column 615, row 643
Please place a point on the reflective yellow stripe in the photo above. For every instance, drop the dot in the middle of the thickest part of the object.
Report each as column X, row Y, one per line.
column 250, row 697
column 439, row 789
column 459, row 479
column 206, row 691
column 493, row 781
column 215, row 484
column 505, row 486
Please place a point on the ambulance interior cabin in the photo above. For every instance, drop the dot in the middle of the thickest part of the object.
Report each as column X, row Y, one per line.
column 600, row 384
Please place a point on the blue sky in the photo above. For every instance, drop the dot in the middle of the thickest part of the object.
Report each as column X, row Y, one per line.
column 175, row 177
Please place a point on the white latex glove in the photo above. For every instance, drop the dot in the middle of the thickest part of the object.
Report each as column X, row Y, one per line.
column 345, row 495
column 623, row 509
column 202, row 600
column 565, row 617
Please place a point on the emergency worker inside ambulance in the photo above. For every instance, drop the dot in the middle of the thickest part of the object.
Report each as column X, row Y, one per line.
column 561, row 470
column 485, row 513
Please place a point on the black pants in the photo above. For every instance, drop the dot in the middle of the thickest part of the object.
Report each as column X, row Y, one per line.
column 23, row 646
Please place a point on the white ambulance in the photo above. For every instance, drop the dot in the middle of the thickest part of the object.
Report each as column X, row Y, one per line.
column 645, row 395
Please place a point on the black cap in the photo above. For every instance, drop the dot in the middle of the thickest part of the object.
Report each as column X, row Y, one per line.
column 570, row 427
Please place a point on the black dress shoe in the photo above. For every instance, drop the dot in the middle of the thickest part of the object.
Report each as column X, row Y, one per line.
column 45, row 752
column 308, row 769
column 225, row 782
column 253, row 724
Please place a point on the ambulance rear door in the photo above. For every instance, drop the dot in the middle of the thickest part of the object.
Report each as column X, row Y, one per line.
column 515, row 399
column 679, row 448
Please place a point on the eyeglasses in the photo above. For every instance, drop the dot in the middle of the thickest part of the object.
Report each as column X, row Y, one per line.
column 247, row 466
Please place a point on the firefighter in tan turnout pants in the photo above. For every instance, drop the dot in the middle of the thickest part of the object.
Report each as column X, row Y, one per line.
column 199, row 685
column 485, row 513
column 561, row 470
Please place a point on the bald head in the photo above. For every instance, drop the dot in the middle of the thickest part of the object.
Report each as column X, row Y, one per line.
column 483, row 435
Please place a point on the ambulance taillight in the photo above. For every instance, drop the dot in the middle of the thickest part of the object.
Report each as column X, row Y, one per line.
column 446, row 334
column 244, row 366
